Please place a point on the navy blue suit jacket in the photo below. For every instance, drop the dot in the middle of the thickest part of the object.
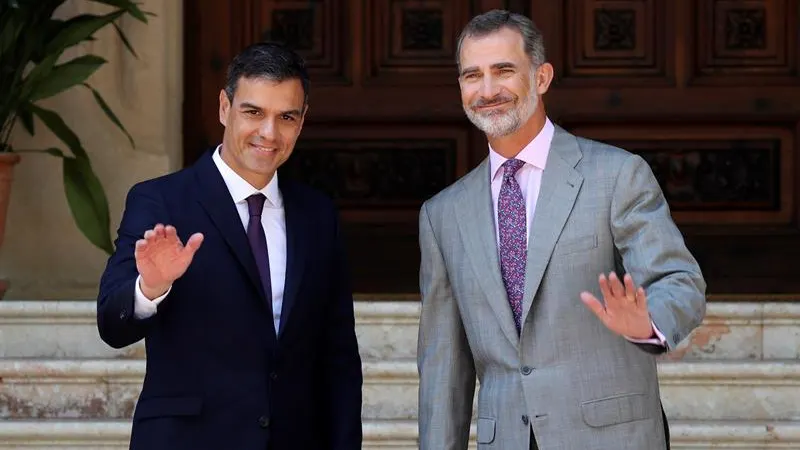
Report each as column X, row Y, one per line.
column 218, row 375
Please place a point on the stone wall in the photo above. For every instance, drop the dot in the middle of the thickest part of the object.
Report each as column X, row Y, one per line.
column 45, row 256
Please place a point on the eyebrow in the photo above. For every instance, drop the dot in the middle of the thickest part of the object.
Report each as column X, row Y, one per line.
column 500, row 65
column 247, row 105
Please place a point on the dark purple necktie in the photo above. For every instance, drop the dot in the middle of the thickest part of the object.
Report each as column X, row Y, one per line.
column 258, row 241
column 513, row 250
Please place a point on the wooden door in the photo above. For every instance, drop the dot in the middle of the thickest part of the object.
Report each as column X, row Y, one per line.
column 707, row 91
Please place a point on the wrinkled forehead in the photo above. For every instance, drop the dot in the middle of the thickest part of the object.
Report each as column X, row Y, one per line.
column 500, row 47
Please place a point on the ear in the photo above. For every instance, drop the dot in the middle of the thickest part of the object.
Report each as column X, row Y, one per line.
column 224, row 107
column 544, row 76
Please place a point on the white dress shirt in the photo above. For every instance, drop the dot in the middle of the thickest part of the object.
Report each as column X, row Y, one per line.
column 529, row 178
column 273, row 220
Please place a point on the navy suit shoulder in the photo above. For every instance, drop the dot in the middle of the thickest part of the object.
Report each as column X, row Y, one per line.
column 218, row 373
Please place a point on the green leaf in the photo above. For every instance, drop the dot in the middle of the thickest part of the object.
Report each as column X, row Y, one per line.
column 111, row 116
column 38, row 73
column 127, row 5
column 9, row 32
column 56, row 124
column 26, row 117
column 124, row 40
column 88, row 203
column 64, row 76
column 78, row 29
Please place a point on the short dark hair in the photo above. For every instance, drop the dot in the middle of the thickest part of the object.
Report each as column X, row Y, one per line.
column 268, row 60
column 497, row 19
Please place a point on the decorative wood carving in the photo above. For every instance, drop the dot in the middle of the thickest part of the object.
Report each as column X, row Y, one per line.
column 715, row 175
column 317, row 29
column 746, row 42
column 380, row 170
column 705, row 90
column 413, row 41
column 617, row 42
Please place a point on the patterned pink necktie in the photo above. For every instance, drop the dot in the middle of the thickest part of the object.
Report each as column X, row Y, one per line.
column 512, row 225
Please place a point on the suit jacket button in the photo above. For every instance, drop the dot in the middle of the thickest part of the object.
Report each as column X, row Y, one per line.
column 527, row 370
column 123, row 314
column 525, row 420
column 263, row 422
column 273, row 375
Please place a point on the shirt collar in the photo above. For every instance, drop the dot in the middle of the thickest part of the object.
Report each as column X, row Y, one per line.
column 241, row 189
column 535, row 153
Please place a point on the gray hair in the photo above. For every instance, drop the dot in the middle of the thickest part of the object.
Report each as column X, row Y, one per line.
column 497, row 19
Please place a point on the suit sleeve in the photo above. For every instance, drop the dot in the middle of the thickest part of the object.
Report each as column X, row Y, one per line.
column 342, row 360
column 116, row 321
column 446, row 367
column 654, row 254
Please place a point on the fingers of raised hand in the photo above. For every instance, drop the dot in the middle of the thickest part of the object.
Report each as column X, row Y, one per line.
column 156, row 237
column 605, row 287
column 170, row 232
column 617, row 289
column 594, row 304
column 631, row 293
column 193, row 243
column 155, row 233
column 641, row 297
column 141, row 245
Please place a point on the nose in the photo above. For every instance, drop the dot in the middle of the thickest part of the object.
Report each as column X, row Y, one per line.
column 488, row 87
column 267, row 129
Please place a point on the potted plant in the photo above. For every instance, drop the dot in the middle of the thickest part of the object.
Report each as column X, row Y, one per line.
column 32, row 43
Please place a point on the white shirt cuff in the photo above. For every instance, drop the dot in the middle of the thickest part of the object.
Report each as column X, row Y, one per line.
column 660, row 340
column 144, row 307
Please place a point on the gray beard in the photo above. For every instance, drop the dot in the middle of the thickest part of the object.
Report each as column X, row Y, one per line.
column 503, row 124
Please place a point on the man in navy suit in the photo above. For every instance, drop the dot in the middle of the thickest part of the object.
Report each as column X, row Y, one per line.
column 236, row 279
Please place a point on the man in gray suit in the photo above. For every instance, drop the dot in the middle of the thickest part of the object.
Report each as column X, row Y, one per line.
column 516, row 256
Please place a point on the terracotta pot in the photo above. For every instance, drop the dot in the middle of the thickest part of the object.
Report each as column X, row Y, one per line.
column 7, row 163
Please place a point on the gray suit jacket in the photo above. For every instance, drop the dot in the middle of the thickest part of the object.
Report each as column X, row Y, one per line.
column 566, row 376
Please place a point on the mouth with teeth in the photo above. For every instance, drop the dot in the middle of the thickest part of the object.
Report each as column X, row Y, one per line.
column 263, row 148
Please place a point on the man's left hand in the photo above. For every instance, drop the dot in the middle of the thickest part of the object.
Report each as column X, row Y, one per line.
column 625, row 311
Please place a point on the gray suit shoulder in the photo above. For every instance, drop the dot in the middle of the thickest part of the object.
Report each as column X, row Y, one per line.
column 448, row 194
column 609, row 153
column 605, row 160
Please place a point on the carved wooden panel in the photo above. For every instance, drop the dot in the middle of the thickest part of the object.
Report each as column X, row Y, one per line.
column 413, row 41
column 741, row 41
column 715, row 175
column 379, row 176
column 317, row 29
column 207, row 54
column 705, row 90
column 616, row 42
column 380, row 172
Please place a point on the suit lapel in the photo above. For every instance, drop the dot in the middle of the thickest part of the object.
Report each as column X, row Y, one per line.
column 298, row 233
column 559, row 189
column 476, row 223
column 218, row 204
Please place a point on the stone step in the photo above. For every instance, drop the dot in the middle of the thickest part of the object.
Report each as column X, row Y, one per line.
column 387, row 330
column 108, row 389
column 396, row 435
